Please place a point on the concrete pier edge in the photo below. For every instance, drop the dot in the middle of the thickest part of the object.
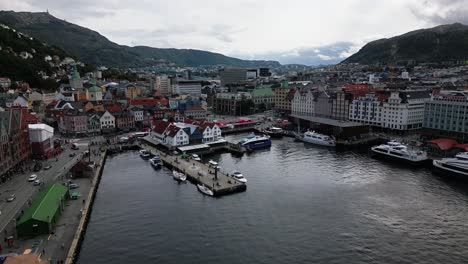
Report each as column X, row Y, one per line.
column 81, row 230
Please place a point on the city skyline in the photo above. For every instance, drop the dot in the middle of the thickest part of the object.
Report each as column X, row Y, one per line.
column 305, row 32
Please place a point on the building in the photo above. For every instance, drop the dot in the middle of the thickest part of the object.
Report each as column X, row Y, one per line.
column 95, row 93
column 75, row 81
column 252, row 74
column 404, row 110
column 187, row 87
column 42, row 216
column 303, row 103
column 283, row 97
column 5, row 83
column 124, row 120
column 232, row 76
column 74, row 123
column 132, row 92
column 195, row 113
column 263, row 98
column 107, row 121
column 41, row 138
column 15, row 148
column 367, row 109
column 323, row 104
column 94, row 125
column 341, row 102
column 163, row 84
column 447, row 114
column 234, row 104
column 264, row 72
column 175, row 136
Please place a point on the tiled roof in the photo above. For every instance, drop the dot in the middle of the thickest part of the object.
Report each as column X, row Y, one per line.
column 172, row 130
column 160, row 126
column 444, row 143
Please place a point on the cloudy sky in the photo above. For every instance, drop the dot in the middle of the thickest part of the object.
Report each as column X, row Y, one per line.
column 294, row 31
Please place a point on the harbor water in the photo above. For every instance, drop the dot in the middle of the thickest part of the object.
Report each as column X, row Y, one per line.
column 303, row 204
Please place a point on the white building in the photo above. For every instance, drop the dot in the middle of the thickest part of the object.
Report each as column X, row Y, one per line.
column 138, row 115
column 107, row 121
column 303, row 103
column 404, row 110
column 176, row 136
column 20, row 101
column 187, row 87
column 367, row 110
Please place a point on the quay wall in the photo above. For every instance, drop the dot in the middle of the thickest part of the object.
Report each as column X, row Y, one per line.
column 80, row 232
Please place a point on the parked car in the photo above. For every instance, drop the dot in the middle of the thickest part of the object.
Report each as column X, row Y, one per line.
column 37, row 182
column 72, row 155
column 11, row 198
column 47, row 167
column 73, row 186
column 32, row 178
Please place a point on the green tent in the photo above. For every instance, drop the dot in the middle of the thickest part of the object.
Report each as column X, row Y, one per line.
column 43, row 214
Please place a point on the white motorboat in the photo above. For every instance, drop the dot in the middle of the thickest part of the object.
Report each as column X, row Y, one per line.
column 179, row 176
column 274, row 132
column 237, row 175
column 205, row 190
column 156, row 162
column 457, row 166
column 318, row 139
column 398, row 151
column 145, row 154
column 195, row 157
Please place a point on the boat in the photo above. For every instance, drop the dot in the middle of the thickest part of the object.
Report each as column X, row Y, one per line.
column 195, row 157
column 179, row 176
column 145, row 154
column 274, row 132
column 398, row 151
column 256, row 142
column 457, row 167
column 212, row 164
column 318, row 139
column 156, row 162
column 205, row 190
column 237, row 175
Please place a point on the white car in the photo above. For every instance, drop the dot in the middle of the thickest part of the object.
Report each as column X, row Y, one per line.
column 32, row 178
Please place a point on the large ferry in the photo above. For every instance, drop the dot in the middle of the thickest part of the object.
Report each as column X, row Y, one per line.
column 318, row 139
column 256, row 142
column 398, row 151
column 457, row 166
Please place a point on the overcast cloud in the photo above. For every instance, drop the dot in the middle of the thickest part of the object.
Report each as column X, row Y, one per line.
column 295, row 31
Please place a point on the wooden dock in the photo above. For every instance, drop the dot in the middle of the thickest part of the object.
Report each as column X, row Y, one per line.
column 197, row 172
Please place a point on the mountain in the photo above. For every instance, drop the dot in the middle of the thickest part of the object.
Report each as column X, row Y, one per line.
column 22, row 58
column 92, row 47
column 441, row 43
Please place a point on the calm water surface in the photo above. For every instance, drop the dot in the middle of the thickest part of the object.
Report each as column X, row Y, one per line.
column 303, row 204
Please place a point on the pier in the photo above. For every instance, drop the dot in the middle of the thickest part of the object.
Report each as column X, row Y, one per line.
column 197, row 172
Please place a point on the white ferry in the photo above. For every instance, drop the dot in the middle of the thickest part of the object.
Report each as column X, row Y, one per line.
column 318, row 139
column 399, row 151
column 457, row 166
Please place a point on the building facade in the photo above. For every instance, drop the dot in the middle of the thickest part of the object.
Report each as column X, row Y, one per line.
column 303, row 103
column 404, row 110
column 232, row 76
column 367, row 110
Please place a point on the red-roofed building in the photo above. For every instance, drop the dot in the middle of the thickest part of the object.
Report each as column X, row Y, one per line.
column 158, row 129
column 442, row 146
column 151, row 102
column 176, row 136
column 114, row 108
column 31, row 119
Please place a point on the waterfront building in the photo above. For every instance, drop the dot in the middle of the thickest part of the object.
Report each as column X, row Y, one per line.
column 283, row 96
column 367, row 109
column 232, row 76
column 303, row 103
column 404, row 110
column 15, row 148
column 323, row 104
column 107, row 121
column 447, row 114
column 175, row 136
column 341, row 102
column 41, row 138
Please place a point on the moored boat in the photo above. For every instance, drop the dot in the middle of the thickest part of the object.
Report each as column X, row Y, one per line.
column 274, row 132
column 398, row 151
column 318, row 139
column 156, row 162
column 237, row 175
column 205, row 190
column 179, row 176
column 145, row 154
column 254, row 142
column 456, row 167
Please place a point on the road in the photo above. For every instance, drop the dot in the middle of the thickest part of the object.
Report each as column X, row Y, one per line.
column 25, row 190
